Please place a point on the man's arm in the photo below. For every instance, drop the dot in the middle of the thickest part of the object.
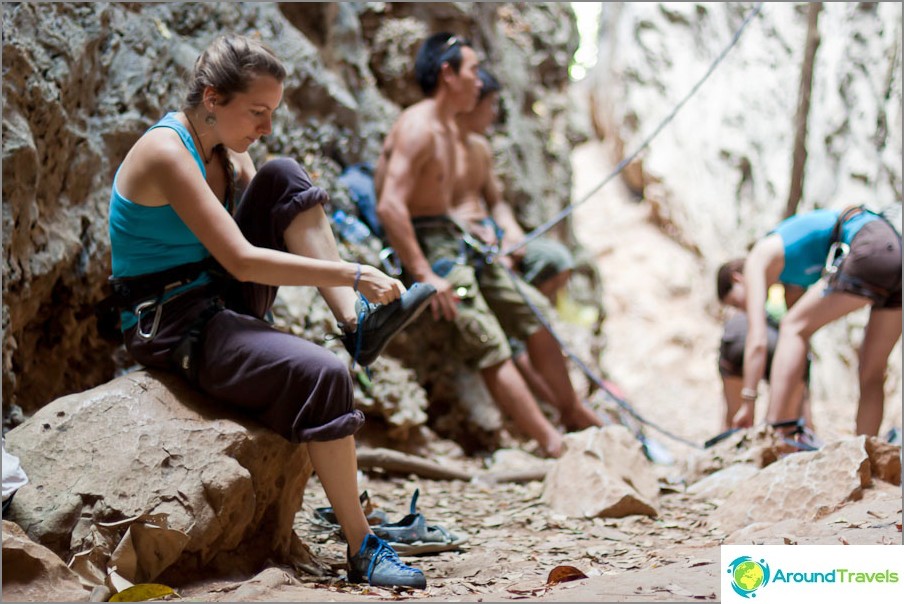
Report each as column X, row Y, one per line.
column 412, row 148
column 499, row 209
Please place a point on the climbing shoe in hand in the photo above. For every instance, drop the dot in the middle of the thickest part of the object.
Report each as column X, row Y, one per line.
column 379, row 323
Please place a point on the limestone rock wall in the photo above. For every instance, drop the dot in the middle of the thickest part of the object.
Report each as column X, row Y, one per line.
column 82, row 82
column 719, row 174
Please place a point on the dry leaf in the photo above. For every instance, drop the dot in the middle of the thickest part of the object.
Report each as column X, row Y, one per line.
column 143, row 592
column 563, row 574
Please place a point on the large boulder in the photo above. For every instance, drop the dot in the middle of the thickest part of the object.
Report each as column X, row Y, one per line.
column 145, row 464
column 804, row 486
column 603, row 473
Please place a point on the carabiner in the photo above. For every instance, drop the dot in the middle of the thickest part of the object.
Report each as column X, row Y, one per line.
column 834, row 258
column 390, row 261
column 158, row 311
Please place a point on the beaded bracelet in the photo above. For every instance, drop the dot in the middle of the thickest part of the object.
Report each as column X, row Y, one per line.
column 357, row 276
column 748, row 394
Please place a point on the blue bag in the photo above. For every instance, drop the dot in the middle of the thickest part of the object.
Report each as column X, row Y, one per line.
column 359, row 180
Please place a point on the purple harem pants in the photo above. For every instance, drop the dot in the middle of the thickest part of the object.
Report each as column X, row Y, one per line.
column 296, row 388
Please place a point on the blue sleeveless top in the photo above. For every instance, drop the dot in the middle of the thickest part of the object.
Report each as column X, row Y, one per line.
column 146, row 239
column 806, row 239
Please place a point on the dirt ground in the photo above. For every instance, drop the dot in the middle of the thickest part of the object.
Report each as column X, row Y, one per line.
column 513, row 540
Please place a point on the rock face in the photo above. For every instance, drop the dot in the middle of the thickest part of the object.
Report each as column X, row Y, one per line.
column 720, row 171
column 144, row 453
column 719, row 175
column 82, row 82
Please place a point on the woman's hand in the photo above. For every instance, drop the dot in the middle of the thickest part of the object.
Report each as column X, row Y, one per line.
column 744, row 417
column 377, row 286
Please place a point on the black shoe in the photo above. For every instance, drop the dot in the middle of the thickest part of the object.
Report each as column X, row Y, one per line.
column 379, row 565
column 379, row 323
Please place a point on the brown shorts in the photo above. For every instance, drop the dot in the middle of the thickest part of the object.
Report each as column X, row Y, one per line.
column 734, row 338
column 872, row 267
column 492, row 308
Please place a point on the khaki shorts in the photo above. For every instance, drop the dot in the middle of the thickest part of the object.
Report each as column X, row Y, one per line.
column 491, row 309
column 544, row 259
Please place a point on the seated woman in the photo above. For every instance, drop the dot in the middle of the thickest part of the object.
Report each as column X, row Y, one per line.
column 171, row 211
column 801, row 251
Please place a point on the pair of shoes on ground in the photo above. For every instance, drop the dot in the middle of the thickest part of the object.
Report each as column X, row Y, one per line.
column 377, row 561
column 410, row 536
column 379, row 323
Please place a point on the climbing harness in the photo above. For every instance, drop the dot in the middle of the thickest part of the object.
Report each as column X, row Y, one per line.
column 144, row 295
column 838, row 251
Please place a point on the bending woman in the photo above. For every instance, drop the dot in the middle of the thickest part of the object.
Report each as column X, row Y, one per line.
column 171, row 211
column 868, row 272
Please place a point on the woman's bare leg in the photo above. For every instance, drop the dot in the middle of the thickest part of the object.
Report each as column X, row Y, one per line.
column 806, row 317
column 881, row 335
column 336, row 465
column 309, row 234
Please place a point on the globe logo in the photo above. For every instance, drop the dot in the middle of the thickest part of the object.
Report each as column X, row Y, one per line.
column 748, row 575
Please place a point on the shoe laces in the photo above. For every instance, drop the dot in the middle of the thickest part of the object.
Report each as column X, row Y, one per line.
column 385, row 553
column 366, row 309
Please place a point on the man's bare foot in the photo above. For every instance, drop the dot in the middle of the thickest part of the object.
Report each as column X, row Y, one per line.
column 579, row 417
column 552, row 446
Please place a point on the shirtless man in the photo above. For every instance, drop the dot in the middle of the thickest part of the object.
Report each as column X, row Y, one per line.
column 478, row 204
column 415, row 180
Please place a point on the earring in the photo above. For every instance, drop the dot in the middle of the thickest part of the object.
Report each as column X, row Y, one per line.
column 211, row 119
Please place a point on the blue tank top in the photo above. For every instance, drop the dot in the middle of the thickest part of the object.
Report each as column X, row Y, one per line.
column 806, row 239
column 147, row 239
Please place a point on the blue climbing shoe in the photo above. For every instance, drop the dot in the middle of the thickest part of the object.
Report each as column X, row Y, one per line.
column 379, row 323
column 379, row 565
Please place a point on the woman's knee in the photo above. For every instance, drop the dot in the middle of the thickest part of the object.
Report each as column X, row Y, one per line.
column 284, row 168
column 283, row 178
column 336, row 381
column 796, row 326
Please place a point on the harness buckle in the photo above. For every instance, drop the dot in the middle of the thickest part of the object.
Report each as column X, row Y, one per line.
column 837, row 252
column 158, row 312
